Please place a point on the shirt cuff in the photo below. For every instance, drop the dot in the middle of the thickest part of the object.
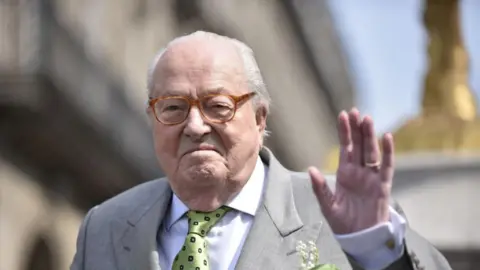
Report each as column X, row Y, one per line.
column 379, row 246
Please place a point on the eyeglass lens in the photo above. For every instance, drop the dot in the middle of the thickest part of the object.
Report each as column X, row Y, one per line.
column 217, row 108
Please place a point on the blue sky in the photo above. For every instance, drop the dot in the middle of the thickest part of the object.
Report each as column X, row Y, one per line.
column 386, row 45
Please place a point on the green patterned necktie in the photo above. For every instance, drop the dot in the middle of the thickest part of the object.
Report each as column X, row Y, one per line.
column 193, row 255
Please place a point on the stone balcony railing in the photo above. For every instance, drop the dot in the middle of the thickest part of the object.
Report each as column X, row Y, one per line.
column 438, row 193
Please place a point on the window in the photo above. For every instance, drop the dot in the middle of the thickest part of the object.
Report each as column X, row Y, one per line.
column 40, row 257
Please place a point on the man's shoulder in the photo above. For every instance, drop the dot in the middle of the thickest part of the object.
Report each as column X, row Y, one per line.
column 130, row 199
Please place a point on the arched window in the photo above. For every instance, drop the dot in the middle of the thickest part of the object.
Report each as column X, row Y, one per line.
column 40, row 257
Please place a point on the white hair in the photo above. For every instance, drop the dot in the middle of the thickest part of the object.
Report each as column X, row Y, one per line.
column 252, row 71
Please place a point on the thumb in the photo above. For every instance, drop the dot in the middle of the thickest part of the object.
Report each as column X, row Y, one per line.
column 320, row 188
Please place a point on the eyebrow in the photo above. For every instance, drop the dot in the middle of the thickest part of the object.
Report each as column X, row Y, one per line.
column 216, row 90
column 168, row 93
column 206, row 91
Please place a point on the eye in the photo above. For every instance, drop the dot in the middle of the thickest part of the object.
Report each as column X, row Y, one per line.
column 219, row 102
column 171, row 108
column 172, row 105
column 220, row 105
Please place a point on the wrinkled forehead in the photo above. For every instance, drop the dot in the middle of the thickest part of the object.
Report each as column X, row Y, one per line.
column 199, row 63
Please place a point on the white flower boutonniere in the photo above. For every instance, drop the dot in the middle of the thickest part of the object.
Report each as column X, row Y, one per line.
column 309, row 257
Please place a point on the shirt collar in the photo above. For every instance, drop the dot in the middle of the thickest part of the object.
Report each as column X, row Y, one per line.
column 246, row 201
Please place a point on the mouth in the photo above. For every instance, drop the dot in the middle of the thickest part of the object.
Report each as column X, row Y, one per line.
column 202, row 148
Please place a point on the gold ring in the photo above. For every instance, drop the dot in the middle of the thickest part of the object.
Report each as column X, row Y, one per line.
column 372, row 164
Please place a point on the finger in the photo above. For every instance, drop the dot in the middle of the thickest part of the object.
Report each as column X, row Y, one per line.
column 322, row 191
column 344, row 136
column 356, row 133
column 371, row 153
column 387, row 157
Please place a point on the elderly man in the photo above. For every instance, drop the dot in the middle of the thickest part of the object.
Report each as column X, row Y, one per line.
column 226, row 202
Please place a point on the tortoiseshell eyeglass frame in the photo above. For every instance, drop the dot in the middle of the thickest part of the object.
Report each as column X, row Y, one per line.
column 196, row 102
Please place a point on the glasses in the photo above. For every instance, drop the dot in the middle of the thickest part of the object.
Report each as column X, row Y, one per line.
column 217, row 108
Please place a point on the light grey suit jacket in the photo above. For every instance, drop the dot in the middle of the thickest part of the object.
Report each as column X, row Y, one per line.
column 120, row 234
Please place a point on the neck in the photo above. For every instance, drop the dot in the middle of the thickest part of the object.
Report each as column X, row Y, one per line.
column 210, row 198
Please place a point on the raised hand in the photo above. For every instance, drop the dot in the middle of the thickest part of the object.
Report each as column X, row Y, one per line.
column 364, row 177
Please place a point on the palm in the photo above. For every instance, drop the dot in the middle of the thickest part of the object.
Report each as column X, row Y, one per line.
column 362, row 191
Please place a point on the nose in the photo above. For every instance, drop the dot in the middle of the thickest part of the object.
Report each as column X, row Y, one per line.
column 196, row 127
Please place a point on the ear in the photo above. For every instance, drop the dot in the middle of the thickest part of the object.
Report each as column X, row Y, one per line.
column 261, row 119
column 150, row 116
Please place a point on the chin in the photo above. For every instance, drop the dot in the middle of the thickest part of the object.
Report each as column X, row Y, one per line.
column 205, row 174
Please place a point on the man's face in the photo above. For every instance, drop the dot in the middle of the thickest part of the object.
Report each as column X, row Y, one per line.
column 206, row 162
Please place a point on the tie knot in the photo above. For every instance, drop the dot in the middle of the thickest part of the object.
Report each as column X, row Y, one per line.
column 201, row 222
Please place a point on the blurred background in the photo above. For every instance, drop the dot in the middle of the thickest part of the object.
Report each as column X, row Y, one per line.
column 73, row 131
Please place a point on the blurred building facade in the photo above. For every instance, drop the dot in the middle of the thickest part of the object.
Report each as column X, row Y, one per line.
column 72, row 97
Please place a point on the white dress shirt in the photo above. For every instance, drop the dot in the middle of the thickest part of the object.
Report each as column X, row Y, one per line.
column 236, row 224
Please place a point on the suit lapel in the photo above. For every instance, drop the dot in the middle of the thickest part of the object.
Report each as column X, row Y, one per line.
column 277, row 226
column 134, row 236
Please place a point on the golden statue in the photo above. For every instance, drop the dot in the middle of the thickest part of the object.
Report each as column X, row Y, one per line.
column 448, row 121
column 446, row 84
